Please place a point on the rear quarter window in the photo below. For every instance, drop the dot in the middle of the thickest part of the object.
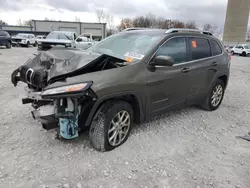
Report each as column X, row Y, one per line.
column 215, row 47
column 200, row 48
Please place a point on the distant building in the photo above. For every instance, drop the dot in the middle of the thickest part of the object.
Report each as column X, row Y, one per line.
column 43, row 27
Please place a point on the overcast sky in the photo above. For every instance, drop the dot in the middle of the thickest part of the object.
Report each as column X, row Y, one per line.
column 212, row 11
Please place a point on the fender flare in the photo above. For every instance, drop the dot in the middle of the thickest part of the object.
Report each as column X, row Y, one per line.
column 101, row 100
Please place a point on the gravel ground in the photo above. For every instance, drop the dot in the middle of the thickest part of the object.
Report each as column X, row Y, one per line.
column 185, row 148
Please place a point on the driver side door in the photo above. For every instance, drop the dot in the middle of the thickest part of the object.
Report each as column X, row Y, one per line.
column 167, row 86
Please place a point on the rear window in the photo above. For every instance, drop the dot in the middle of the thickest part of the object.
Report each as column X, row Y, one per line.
column 216, row 50
column 200, row 48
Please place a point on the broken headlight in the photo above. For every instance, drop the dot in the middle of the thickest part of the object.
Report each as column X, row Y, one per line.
column 67, row 90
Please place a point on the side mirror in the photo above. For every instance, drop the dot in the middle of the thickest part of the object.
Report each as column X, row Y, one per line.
column 79, row 40
column 165, row 61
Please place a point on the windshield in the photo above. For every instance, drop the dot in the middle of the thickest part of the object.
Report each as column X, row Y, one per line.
column 22, row 35
column 63, row 36
column 121, row 44
column 247, row 47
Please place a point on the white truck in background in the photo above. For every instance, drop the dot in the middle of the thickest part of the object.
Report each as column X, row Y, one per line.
column 84, row 41
column 67, row 39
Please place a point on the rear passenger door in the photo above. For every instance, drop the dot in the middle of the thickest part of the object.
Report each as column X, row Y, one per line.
column 203, row 65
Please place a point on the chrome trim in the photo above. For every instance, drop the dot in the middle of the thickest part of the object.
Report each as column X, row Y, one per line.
column 187, row 62
column 188, row 30
column 29, row 70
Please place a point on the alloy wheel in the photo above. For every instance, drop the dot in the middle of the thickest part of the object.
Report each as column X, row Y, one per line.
column 119, row 128
column 217, row 95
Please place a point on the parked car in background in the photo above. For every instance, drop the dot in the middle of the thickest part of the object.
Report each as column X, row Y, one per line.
column 229, row 48
column 127, row 78
column 24, row 39
column 5, row 39
column 66, row 39
column 84, row 41
column 242, row 49
column 40, row 37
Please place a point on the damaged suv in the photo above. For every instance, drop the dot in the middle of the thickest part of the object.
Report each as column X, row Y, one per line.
column 123, row 80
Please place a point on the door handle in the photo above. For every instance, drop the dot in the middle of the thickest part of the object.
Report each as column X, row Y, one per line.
column 214, row 64
column 185, row 70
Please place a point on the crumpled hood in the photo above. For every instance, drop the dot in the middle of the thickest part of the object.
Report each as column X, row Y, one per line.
column 59, row 62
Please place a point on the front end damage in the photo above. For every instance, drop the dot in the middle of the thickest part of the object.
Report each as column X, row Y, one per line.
column 57, row 103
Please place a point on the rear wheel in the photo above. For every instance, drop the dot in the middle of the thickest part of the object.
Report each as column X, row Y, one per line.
column 215, row 96
column 232, row 52
column 8, row 45
column 244, row 54
column 111, row 125
column 28, row 44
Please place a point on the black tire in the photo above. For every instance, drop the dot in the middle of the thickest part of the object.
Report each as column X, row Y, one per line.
column 8, row 45
column 35, row 44
column 207, row 105
column 232, row 52
column 98, row 133
column 28, row 44
column 244, row 54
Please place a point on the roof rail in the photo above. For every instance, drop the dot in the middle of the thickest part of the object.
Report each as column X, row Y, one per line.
column 174, row 30
column 137, row 28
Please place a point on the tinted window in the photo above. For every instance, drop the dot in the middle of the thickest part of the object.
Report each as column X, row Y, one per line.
column 200, row 48
column 216, row 50
column 175, row 48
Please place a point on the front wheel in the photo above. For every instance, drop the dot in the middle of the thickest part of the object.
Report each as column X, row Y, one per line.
column 111, row 125
column 28, row 44
column 215, row 96
column 35, row 44
column 244, row 54
column 8, row 45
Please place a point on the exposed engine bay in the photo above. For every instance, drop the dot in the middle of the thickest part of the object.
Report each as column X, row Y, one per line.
column 66, row 106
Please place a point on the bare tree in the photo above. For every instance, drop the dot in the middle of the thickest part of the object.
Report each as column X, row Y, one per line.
column 209, row 27
column 19, row 22
column 100, row 14
column 125, row 23
column 152, row 19
column 177, row 24
column 3, row 22
column 191, row 25
column 77, row 19
column 24, row 23
column 27, row 23
column 110, row 23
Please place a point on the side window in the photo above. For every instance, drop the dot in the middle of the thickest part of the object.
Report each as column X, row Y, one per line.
column 175, row 48
column 216, row 50
column 200, row 48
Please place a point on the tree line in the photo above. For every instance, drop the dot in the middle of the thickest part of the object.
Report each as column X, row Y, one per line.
column 151, row 21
